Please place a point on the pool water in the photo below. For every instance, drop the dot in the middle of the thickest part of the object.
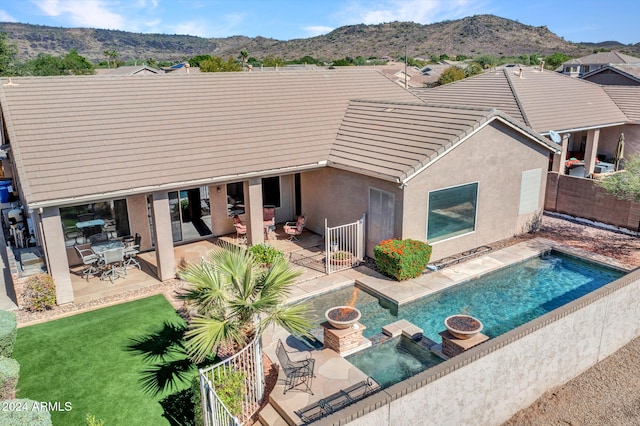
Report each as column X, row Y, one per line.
column 502, row 300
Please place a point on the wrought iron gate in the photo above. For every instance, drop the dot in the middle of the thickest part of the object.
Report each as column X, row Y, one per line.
column 344, row 245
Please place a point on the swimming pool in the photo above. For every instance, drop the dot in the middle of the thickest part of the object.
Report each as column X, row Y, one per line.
column 502, row 300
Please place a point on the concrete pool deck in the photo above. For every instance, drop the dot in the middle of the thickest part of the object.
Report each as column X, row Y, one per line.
column 332, row 371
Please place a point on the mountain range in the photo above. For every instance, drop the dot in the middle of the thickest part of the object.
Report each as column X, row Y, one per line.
column 470, row 36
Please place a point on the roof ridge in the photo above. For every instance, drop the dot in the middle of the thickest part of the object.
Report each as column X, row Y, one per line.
column 517, row 99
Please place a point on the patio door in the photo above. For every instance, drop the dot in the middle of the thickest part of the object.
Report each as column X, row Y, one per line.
column 381, row 217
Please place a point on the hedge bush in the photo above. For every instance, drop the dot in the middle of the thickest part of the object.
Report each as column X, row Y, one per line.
column 39, row 293
column 9, row 374
column 21, row 412
column 402, row 259
column 8, row 332
column 265, row 254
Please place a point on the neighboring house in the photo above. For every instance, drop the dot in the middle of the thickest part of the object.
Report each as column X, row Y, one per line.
column 580, row 66
column 615, row 75
column 588, row 117
column 129, row 70
column 145, row 155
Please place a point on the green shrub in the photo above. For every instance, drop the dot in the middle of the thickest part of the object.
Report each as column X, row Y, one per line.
column 9, row 374
column 8, row 332
column 265, row 254
column 20, row 412
column 40, row 293
column 402, row 259
column 230, row 388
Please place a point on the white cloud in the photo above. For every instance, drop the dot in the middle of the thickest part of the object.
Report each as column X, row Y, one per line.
column 223, row 26
column 419, row 11
column 5, row 17
column 316, row 30
column 82, row 13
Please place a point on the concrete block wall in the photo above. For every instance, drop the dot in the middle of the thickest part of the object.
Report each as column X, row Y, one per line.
column 490, row 383
column 581, row 197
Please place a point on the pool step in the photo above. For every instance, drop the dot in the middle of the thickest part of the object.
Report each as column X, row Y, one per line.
column 403, row 327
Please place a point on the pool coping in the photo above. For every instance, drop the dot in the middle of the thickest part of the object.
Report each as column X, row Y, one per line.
column 403, row 292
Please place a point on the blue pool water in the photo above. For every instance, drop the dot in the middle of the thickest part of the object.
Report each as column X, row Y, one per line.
column 502, row 300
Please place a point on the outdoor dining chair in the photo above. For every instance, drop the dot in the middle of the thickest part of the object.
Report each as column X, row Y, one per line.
column 90, row 260
column 132, row 251
column 294, row 229
column 113, row 268
column 241, row 229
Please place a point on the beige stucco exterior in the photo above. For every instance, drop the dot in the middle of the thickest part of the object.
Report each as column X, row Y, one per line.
column 495, row 157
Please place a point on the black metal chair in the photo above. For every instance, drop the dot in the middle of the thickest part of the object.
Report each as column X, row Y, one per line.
column 296, row 372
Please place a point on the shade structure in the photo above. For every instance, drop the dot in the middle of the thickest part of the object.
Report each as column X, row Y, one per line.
column 619, row 151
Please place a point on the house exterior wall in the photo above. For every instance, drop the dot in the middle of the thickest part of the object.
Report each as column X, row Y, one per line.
column 495, row 157
column 609, row 140
column 611, row 78
column 139, row 220
column 580, row 197
column 342, row 197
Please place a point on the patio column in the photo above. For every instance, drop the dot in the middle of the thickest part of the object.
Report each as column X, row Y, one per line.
column 253, row 210
column 165, row 256
column 558, row 159
column 56, row 254
column 590, row 151
column 221, row 223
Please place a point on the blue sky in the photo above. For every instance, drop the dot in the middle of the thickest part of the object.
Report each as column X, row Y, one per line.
column 576, row 21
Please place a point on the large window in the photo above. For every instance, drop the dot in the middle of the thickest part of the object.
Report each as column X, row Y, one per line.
column 452, row 212
column 235, row 198
column 107, row 218
column 270, row 195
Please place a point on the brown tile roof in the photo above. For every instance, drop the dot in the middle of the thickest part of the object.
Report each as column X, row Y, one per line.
column 395, row 141
column 601, row 58
column 627, row 98
column 542, row 100
column 75, row 137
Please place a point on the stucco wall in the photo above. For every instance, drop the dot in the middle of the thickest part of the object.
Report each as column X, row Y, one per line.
column 495, row 157
column 342, row 197
column 491, row 157
column 608, row 140
column 490, row 383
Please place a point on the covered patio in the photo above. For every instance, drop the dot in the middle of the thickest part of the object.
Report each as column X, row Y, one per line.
column 306, row 255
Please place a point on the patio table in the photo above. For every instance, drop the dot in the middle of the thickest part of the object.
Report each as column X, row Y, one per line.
column 90, row 223
column 101, row 247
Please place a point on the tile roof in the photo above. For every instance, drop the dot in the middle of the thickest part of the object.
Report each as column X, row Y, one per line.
column 627, row 98
column 602, row 58
column 395, row 141
column 543, row 100
column 75, row 137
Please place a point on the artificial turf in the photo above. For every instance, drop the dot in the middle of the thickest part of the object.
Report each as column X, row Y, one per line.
column 87, row 360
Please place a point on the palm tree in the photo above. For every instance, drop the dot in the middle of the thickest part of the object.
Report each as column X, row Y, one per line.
column 107, row 55
column 235, row 299
column 244, row 55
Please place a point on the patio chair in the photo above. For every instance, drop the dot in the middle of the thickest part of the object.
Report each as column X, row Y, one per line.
column 296, row 372
column 241, row 229
column 268, row 221
column 132, row 251
column 112, row 268
column 71, row 233
column 90, row 260
column 100, row 237
column 294, row 229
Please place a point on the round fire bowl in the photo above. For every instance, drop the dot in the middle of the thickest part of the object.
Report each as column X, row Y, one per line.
column 342, row 316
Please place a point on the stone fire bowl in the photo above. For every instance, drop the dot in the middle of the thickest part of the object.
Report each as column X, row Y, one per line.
column 342, row 316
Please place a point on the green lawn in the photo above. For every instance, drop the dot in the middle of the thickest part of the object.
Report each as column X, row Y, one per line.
column 86, row 360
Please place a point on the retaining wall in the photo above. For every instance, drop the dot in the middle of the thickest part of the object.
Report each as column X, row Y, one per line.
column 488, row 384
